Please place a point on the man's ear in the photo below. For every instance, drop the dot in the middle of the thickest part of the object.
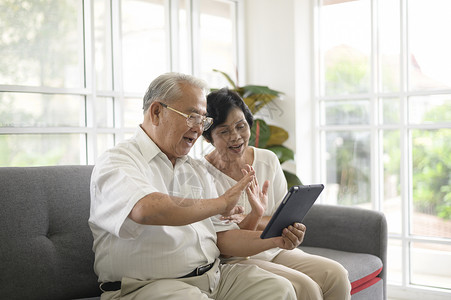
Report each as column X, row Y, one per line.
column 154, row 113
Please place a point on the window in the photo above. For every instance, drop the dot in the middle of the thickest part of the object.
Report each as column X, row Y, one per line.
column 73, row 73
column 383, row 90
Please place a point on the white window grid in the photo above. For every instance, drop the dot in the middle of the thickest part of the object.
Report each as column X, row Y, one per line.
column 89, row 148
column 405, row 288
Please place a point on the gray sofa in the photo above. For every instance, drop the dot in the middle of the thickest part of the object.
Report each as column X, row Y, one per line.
column 45, row 249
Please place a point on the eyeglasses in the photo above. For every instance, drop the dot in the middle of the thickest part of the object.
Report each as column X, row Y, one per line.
column 225, row 132
column 192, row 119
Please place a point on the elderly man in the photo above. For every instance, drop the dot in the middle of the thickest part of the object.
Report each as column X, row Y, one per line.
column 151, row 206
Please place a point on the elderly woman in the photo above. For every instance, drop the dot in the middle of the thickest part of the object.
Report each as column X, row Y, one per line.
column 313, row 277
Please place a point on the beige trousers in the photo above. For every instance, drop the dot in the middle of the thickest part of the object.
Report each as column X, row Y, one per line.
column 313, row 277
column 222, row 282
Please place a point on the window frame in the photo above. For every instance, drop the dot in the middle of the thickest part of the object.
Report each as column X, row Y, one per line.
column 89, row 90
column 376, row 128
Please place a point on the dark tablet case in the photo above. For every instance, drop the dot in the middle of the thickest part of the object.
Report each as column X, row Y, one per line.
column 293, row 208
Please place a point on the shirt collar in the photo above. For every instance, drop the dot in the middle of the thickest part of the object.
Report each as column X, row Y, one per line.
column 149, row 149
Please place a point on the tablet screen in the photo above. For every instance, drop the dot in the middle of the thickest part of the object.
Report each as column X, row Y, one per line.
column 293, row 208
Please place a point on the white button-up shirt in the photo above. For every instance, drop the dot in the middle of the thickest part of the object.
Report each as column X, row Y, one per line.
column 122, row 176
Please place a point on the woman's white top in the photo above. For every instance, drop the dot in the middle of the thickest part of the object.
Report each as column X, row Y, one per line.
column 267, row 167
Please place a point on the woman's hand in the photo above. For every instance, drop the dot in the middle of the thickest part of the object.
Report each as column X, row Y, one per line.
column 258, row 199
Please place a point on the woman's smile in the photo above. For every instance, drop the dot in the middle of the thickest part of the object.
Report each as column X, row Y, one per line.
column 237, row 148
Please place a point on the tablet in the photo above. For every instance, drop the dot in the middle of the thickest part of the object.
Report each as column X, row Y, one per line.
column 293, row 208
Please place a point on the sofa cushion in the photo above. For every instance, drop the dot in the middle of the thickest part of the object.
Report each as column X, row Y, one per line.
column 46, row 244
column 373, row 292
column 363, row 268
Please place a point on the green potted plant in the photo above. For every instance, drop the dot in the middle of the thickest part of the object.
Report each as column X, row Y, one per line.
column 263, row 135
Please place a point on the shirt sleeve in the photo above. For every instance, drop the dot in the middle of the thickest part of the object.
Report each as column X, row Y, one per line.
column 115, row 189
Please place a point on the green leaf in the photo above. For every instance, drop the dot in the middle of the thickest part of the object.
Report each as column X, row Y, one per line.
column 255, row 102
column 249, row 90
column 227, row 77
column 278, row 136
column 250, row 102
column 263, row 134
column 283, row 153
column 292, row 179
column 257, row 96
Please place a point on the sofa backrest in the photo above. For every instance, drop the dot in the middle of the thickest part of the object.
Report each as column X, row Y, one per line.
column 45, row 241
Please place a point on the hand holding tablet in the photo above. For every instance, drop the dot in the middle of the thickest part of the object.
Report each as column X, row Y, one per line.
column 293, row 208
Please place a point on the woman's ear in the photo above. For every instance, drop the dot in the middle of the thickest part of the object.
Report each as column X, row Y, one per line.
column 208, row 141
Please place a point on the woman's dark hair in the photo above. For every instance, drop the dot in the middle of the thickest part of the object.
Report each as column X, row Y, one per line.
column 219, row 104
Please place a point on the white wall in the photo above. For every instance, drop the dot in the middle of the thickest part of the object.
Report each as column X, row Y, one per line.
column 277, row 56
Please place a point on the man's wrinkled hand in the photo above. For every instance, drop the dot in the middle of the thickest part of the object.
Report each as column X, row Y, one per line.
column 292, row 236
column 231, row 196
column 234, row 213
column 236, row 218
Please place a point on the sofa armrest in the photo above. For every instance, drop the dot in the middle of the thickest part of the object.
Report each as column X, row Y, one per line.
column 348, row 229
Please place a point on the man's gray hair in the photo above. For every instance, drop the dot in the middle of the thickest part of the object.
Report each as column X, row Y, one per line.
column 167, row 87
